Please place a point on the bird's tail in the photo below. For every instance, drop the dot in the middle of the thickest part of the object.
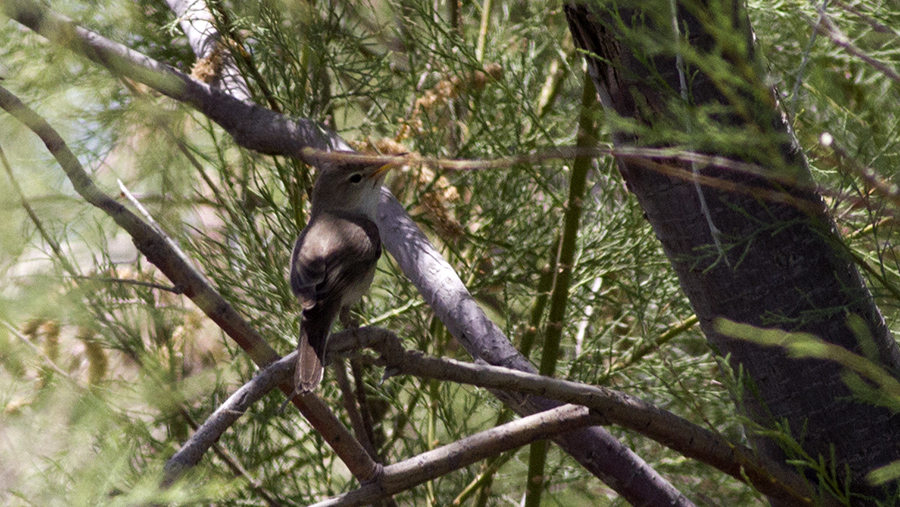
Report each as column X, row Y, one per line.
column 309, row 364
column 315, row 326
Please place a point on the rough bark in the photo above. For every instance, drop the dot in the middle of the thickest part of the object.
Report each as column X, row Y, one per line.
column 747, row 258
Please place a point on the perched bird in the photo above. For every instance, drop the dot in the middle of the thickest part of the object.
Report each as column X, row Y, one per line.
column 334, row 258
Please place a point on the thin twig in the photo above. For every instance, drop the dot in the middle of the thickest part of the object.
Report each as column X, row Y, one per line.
column 226, row 415
column 795, row 93
column 353, row 411
column 483, row 29
column 556, row 74
column 662, row 339
column 831, row 30
column 869, row 20
column 47, row 359
column 148, row 218
column 234, row 465
column 484, row 477
column 463, row 452
column 357, row 369
column 555, row 153
column 585, row 320
column 125, row 281
column 542, row 295
column 32, row 215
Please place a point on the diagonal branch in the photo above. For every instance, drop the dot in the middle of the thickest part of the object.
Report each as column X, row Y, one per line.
column 595, row 448
column 194, row 285
column 253, row 127
column 205, row 40
column 831, row 30
column 227, row 414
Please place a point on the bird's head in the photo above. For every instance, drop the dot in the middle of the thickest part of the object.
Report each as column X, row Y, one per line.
column 350, row 187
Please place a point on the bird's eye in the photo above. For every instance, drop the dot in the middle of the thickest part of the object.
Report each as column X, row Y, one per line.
column 355, row 178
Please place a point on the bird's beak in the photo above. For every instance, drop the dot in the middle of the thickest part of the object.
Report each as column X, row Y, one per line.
column 381, row 170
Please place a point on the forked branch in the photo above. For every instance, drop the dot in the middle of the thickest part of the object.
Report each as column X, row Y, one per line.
column 607, row 407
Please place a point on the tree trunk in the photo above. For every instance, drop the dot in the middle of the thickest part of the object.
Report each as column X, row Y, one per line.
column 758, row 249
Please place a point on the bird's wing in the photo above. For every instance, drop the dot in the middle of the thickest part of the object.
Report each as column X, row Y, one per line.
column 307, row 269
column 325, row 264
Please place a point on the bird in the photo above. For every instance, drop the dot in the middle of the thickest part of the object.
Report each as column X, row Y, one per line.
column 334, row 257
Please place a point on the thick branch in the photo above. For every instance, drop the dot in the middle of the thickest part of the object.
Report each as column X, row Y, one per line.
column 253, row 127
column 778, row 258
column 204, row 39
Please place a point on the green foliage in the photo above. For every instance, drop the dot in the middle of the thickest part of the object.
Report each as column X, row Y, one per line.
column 867, row 380
column 91, row 419
column 829, row 90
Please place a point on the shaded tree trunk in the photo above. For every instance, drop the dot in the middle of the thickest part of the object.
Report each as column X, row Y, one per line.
column 758, row 249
